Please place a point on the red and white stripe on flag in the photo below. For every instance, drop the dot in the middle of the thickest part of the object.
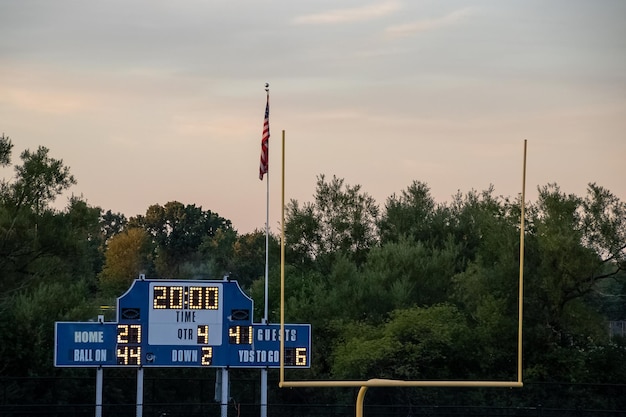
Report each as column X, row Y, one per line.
column 263, row 168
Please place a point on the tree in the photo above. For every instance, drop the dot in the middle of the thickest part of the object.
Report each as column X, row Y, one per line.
column 26, row 349
column 5, row 150
column 26, row 223
column 573, row 246
column 486, row 230
column 604, row 225
column 411, row 214
column 248, row 258
column 341, row 220
column 409, row 273
column 577, row 243
column 178, row 231
column 127, row 255
column 218, row 252
column 79, row 238
column 416, row 343
column 39, row 180
column 48, row 260
column 112, row 224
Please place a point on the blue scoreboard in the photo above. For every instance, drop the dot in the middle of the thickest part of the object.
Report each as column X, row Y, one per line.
column 175, row 323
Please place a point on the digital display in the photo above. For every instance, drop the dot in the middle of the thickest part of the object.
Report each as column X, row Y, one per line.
column 188, row 315
column 185, row 298
column 296, row 357
column 207, row 356
column 129, row 333
column 177, row 323
column 129, row 355
column 128, row 344
column 240, row 335
column 203, row 334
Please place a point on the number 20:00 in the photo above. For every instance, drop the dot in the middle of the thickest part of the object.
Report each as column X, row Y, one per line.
column 179, row 298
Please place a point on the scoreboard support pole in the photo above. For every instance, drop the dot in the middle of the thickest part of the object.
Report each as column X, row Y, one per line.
column 139, row 392
column 99, row 380
column 99, row 383
column 264, row 392
column 224, row 403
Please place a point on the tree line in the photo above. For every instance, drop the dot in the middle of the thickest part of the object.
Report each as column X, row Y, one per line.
column 413, row 289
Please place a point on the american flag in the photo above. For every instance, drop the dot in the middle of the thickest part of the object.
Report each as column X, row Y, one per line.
column 265, row 141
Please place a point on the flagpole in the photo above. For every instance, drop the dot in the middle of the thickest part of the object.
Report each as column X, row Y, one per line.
column 264, row 170
column 267, row 223
column 267, row 234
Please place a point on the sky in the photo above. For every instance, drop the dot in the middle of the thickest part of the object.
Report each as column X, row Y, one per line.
column 151, row 101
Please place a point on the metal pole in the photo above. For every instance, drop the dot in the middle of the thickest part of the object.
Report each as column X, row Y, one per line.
column 267, row 237
column 139, row 392
column 282, row 274
column 267, row 224
column 264, row 392
column 521, row 272
column 99, row 380
column 359, row 401
column 224, row 403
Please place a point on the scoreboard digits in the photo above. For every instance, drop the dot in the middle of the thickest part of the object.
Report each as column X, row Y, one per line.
column 203, row 334
column 129, row 333
column 207, row 356
column 128, row 350
column 185, row 298
column 296, row 357
column 240, row 335
column 129, row 355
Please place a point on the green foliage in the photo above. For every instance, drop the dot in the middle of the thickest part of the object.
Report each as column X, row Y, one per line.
column 411, row 214
column 604, row 226
column 608, row 297
column 128, row 255
column 39, row 180
column 6, row 146
column 341, row 221
column 178, row 231
column 416, row 343
column 48, row 261
column 565, row 259
column 27, row 227
column 27, row 325
column 85, row 233
column 112, row 224
column 419, row 291
column 241, row 257
column 410, row 273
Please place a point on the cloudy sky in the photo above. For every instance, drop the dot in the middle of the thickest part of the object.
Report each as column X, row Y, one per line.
column 150, row 101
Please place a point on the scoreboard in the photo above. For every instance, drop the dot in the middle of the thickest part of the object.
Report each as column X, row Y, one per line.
column 176, row 323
